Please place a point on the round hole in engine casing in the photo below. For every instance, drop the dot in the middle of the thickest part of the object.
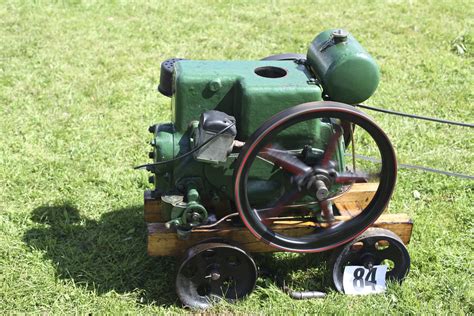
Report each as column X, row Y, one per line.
column 270, row 72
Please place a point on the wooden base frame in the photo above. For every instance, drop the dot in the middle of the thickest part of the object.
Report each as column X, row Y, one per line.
column 163, row 241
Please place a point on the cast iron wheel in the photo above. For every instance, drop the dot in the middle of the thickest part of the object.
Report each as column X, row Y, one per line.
column 296, row 163
column 213, row 271
column 286, row 56
column 374, row 247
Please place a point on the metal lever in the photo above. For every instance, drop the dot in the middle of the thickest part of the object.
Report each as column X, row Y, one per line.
column 303, row 295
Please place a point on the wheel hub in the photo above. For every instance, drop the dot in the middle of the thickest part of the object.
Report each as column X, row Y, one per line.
column 318, row 181
column 215, row 275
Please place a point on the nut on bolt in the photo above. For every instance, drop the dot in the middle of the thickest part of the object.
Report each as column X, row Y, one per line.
column 215, row 85
column 340, row 35
column 215, row 276
column 322, row 191
column 196, row 217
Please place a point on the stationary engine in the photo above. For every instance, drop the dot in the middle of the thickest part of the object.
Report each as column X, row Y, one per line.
column 258, row 143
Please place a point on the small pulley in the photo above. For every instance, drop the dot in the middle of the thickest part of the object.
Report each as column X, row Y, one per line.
column 213, row 271
column 375, row 246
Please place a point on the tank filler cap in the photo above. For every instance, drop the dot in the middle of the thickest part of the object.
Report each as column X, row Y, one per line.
column 166, row 76
column 340, row 35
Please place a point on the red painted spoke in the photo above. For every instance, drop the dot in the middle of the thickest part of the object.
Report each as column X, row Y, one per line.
column 285, row 160
column 347, row 178
column 331, row 147
column 268, row 215
column 326, row 210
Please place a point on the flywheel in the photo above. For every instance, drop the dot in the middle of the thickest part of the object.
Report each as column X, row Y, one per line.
column 292, row 168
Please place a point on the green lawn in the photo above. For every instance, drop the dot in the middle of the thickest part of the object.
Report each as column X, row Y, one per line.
column 78, row 91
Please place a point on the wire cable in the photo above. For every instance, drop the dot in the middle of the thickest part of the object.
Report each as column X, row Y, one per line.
column 187, row 153
column 420, row 117
column 428, row 169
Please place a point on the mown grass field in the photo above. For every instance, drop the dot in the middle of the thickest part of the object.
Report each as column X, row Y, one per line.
column 78, row 91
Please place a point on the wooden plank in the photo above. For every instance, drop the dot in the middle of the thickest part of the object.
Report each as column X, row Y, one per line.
column 350, row 203
column 152, row 208
column 358, row 192
column 356, row 199
column 164, row 242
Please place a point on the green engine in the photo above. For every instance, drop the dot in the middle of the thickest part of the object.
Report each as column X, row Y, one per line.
column 252, row 136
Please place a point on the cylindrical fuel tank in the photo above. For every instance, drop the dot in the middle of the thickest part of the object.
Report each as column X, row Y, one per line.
column 347, row 72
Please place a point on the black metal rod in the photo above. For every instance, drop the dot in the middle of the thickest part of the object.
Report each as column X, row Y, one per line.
column 303, row 295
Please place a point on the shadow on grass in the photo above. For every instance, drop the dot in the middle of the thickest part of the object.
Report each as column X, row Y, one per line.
column 109, row 254
column 103, row 255
column 300, row 272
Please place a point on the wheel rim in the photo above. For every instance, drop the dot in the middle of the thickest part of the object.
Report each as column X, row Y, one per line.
column 213, row 271
column 273, row 131
column 374, row 247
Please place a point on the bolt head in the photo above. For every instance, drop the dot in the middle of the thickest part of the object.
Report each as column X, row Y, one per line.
column 215, row 276
column 215, row 85
column 340, row 35
column 322, row 194
column 196, row 217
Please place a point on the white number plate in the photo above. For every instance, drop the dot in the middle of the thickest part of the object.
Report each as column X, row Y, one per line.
column 358, row 280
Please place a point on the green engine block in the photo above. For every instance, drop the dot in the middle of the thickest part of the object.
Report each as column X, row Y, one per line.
column 196, row 186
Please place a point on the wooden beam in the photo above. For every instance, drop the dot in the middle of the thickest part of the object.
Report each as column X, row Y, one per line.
column 153, row 211
column 164, row 242
column 350, row 203
column 356, row 198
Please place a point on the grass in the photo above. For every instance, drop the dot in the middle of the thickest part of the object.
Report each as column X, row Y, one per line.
column 78, row 91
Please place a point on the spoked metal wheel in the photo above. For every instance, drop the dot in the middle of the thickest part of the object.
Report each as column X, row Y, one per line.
column 374, row 247
column 213, row 271
column 300, row 160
